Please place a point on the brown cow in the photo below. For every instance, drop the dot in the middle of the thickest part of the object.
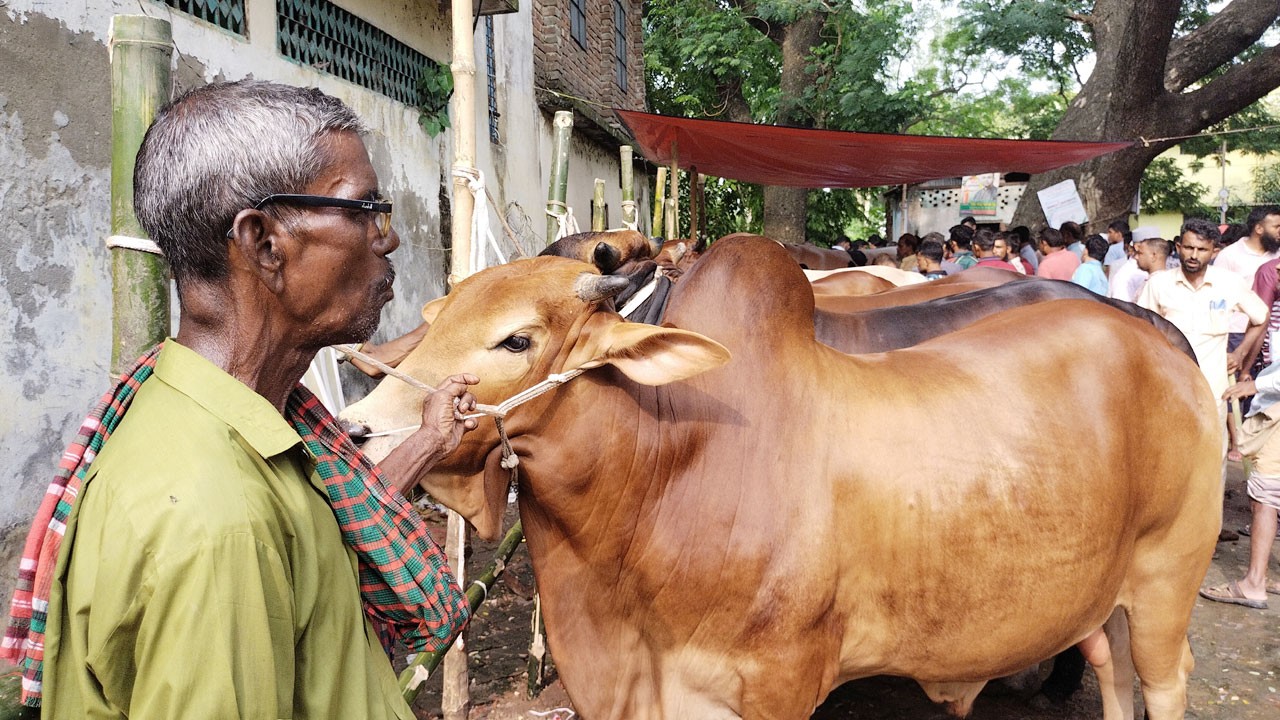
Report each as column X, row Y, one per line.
column 813, row 257
column 704, row 552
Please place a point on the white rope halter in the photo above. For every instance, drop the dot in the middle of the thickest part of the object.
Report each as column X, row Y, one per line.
column 497, row 412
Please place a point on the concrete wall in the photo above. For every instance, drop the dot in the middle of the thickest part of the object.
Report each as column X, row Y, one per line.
column 54, row 193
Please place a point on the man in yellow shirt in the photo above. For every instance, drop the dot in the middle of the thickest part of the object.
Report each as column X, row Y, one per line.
column 230, row 553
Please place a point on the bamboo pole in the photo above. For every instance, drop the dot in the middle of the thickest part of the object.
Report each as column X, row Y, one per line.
column 456, row 696
column 630, row 214
column 673, row 193
column 693, row 206
column 559, row 188
column 426, row 663
column 140, row 50
column 597, row 207
column 659, row 200
column 11, row 707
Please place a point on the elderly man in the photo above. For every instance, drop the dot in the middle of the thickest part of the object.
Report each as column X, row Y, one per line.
column 230, row 553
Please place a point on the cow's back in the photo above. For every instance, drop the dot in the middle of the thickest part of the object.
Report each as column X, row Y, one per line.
column 961, row 508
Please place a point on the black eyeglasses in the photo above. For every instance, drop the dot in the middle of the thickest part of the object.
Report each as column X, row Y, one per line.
column 381, row 210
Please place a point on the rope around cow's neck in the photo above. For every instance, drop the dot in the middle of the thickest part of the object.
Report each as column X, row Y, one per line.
column 497, row 412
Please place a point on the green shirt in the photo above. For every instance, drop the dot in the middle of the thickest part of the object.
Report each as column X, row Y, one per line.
column 203, row 574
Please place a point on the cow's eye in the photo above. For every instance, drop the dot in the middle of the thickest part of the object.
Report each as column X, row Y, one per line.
column 515, row 343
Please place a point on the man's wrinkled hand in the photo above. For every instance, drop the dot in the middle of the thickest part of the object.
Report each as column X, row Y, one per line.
column 443, row 409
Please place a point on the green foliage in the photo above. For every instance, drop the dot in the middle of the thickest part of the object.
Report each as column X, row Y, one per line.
column 1255, row 142
column 703, row 57
column 1164, row 189
column 435, row 86
column 1266, row 183
column 991, row 68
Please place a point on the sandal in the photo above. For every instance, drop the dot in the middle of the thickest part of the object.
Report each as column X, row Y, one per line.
column 1230, row 593
column 1273, row 588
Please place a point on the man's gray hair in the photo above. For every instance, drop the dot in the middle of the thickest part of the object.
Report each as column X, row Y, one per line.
column 220, row 149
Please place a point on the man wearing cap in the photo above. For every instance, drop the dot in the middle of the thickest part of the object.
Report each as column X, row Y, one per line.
column 1199, row 299
column 1126, row 279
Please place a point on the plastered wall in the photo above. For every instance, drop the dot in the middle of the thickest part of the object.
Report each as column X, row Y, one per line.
column 55, row 283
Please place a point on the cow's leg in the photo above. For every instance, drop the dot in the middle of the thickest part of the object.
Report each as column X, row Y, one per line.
column 1162, row 657
column 1108, row 651
column 1166, row 695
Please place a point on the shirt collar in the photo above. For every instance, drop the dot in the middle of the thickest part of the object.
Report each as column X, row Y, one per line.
column 226, row 398
column 1181, row 278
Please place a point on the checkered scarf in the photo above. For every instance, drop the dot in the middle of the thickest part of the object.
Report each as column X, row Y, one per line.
column 408, row 589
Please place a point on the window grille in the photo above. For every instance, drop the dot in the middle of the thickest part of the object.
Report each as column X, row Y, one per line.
column 226, row 14
column 329, row 38
column 578, row 22
column 491, row 66
column 620, row 44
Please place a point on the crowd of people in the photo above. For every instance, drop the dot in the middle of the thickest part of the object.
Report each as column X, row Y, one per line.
column 1219, row 284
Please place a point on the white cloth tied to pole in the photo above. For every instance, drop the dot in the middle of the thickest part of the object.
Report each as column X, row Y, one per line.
column 630, row 210
column 134, row 243
column 479, row 218
column 566, row 223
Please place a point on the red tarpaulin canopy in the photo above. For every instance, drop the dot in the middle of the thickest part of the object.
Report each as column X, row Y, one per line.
column 799, row 157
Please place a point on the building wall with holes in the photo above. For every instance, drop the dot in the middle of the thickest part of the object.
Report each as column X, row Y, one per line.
column 55, row 283
column 935, row 207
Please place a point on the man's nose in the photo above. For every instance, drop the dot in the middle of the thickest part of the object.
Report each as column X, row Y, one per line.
column 388, row 244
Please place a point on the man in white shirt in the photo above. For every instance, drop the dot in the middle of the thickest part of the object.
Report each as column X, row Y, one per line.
column 1199, row 299
column 1263, row 486
column 1125, row 280
column 1243, row 257
column 1119, row 236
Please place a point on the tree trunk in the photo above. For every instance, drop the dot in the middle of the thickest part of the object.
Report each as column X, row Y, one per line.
column 1137, row 91
column 785, row 208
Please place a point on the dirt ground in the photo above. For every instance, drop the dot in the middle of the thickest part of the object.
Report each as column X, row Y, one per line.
column 1237, row 652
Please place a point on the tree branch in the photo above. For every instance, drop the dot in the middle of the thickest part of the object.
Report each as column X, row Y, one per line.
column 1227, row 94
column 1082, row 18
column 1215, row 43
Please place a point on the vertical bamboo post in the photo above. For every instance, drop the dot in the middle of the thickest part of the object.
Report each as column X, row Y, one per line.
column 597, row 207
column 456, row 697
column 673, row 194
column 693, row 206
column 562, row 126
column 140, row 52
column 659, row 201
column 630, row 215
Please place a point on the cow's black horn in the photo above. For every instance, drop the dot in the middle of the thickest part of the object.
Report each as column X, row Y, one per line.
column 592, row 288
column 606, row 258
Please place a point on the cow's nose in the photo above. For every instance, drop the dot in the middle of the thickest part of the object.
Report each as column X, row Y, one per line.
column 359, row 433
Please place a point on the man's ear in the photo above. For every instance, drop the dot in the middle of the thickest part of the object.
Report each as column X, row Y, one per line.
column 255, row 244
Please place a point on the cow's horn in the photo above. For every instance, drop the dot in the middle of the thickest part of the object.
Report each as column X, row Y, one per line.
column 606, row 258
column 592, row 288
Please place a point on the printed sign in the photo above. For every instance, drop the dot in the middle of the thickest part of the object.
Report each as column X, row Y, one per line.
column 1061, row 203
column 978, row 194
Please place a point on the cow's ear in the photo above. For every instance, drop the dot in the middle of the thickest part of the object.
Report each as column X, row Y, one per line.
column 431, row 310
column 648, row 354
